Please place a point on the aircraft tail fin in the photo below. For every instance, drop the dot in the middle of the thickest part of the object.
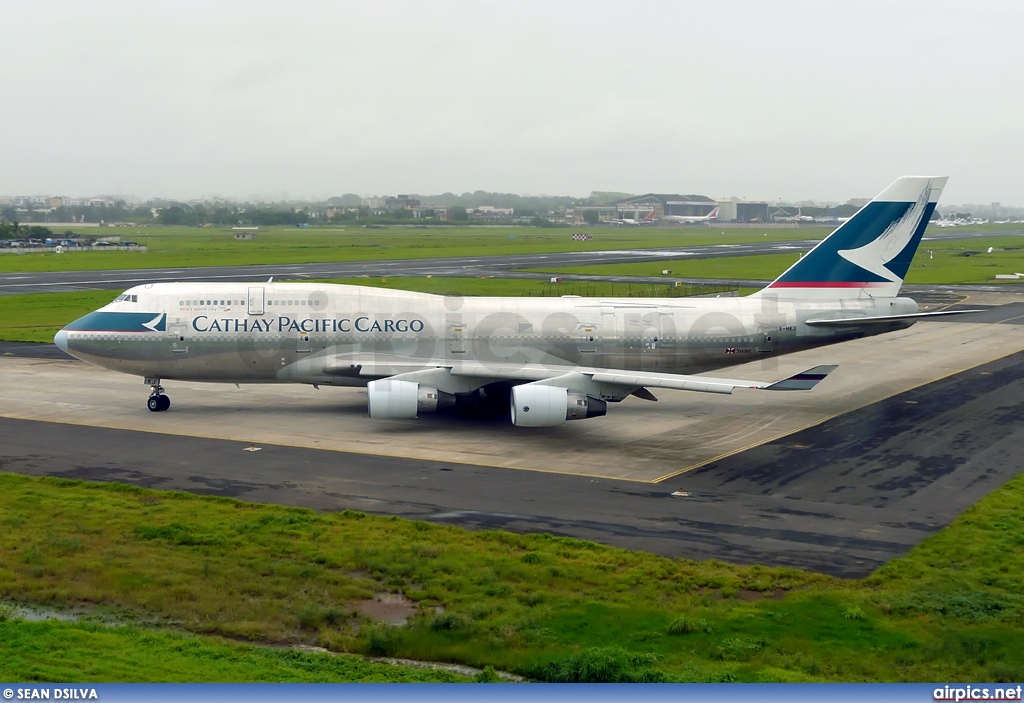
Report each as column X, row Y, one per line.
column 713, row 215
column 870, row 253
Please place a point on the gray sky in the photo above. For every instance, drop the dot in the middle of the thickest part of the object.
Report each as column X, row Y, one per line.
column 777, row 99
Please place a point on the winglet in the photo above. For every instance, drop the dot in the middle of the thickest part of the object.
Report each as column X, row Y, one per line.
column 803, row 381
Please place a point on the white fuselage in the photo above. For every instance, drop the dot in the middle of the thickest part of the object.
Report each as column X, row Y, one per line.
column 335, row 334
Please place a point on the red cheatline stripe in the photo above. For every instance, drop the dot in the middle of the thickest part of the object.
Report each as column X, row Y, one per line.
column 827, row 284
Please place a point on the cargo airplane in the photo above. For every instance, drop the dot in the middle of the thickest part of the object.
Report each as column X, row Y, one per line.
column 547, row 360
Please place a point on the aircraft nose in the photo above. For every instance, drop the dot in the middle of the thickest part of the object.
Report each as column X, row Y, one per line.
column 61, row 340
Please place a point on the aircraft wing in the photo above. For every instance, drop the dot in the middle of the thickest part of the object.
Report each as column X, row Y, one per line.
column 804, row 380
column 461, row 375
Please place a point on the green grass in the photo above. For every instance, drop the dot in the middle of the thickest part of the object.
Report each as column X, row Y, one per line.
column 36, row 317
column 542, row 606
column 760, row 267
column 182, row 247
column 58, row 652
column 947, row 264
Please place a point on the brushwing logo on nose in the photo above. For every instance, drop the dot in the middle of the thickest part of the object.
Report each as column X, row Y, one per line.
column 158, row 323
column 874, row 255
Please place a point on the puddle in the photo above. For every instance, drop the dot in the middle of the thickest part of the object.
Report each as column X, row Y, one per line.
column 38, row 613
column 392, row 608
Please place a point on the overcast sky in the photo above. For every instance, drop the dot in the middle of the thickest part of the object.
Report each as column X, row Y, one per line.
column 792, row 100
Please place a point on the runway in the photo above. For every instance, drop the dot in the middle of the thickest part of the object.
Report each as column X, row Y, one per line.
column 505, row 266
column 460, row 267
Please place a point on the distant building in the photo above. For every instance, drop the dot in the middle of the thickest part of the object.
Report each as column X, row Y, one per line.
column 638, row 207
column 401, row 202
column 489, row 212
column 742, row 210
column 421, row 212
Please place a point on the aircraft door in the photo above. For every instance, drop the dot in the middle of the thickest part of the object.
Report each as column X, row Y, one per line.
column 589, row 337
column 651, row 341
column 456, row 337
column 769, row 321
column 304, row 346
column 177, row 331
column 256, row 300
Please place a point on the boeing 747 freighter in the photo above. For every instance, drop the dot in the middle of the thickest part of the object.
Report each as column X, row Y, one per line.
column 550, row 359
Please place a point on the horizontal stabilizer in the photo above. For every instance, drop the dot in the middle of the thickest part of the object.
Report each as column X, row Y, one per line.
column 803, row 381
column 882, row 319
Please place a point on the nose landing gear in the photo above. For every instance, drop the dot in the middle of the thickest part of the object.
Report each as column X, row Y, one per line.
column 158, row 402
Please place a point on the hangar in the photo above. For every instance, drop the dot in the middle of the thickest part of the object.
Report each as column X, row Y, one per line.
column 742, row 210
column 663, row 205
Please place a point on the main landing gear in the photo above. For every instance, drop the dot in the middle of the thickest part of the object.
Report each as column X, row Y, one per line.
column 158, row 402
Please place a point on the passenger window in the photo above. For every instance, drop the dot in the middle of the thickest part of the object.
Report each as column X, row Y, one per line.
column 303, row 302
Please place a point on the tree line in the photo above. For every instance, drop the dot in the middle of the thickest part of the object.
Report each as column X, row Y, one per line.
column 15, row 230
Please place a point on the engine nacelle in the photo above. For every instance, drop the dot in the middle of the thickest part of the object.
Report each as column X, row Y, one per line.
column 403, row 400
column 551, row 406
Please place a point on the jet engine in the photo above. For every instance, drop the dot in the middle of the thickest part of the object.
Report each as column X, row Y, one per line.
column 551, row 406
column 403, row 400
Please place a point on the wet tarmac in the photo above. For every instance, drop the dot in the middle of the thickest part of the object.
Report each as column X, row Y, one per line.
column 842, row 497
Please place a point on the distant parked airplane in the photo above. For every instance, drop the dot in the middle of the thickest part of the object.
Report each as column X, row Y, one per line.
column 713, row 215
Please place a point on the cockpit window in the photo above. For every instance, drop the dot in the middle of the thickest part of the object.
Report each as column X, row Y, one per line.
column 125, row 298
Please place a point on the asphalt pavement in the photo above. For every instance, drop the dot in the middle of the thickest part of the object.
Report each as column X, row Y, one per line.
column 842, row 497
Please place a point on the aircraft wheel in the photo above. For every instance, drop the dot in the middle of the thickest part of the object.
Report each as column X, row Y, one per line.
column 154, row 403
column 165, row 403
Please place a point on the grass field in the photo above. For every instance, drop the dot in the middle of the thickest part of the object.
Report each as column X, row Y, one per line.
column 56, row 652
column 183, row 247
column 36, row 317
column 943, row 262
column 544, row 607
